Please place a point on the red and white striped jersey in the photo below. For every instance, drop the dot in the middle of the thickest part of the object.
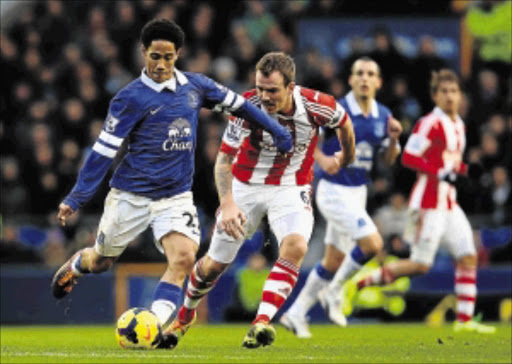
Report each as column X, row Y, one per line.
column 437, row 142
column 257, row 161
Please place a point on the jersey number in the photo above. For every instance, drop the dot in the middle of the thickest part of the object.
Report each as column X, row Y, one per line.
column 192, row 222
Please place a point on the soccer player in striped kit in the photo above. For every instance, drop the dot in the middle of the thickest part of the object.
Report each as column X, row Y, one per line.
column 253, row 179
column 157, row 116
column 435, row 149
column 351, row 237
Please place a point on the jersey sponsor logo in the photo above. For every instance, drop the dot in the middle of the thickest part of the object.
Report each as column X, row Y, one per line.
column 178, row 135
column 364, row 156
column 111, row 123
column 193, row 99
column 378, row 129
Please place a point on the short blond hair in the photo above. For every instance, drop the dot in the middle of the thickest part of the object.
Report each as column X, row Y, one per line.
column 277, row 61
column 443, row 75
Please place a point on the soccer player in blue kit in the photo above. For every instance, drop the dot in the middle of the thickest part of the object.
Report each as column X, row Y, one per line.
column 157, row 116
column 351, row 237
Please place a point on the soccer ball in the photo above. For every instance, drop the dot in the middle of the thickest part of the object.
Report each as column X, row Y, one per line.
column 138, row 328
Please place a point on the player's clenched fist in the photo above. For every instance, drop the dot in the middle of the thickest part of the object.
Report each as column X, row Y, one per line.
column 64, row 212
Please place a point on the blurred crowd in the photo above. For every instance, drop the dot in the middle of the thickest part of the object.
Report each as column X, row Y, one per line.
column 62, row 61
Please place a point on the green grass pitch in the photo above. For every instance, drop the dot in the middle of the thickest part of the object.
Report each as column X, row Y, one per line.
column 363, row 343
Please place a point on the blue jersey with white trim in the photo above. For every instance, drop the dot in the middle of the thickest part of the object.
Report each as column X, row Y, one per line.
column 158, row 122
column 370, row 134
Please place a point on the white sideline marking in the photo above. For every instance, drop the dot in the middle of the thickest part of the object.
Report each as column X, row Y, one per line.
column 146, row 353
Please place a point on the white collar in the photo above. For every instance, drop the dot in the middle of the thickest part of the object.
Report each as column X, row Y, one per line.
column 437, row 111
column 354, row 106
column 299, row 104
column 170, row 84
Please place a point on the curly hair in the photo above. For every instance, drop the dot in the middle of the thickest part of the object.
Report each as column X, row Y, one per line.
column 162, row 29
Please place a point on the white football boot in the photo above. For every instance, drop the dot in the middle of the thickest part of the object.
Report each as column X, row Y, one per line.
column 332, row 302
column 298, row 325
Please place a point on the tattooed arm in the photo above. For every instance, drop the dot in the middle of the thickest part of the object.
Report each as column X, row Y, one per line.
column 232, row 218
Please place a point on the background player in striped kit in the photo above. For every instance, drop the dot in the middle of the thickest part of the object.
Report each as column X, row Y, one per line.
column 435, row 150
column 157, row 115
column 351, row 236
column 268, row 183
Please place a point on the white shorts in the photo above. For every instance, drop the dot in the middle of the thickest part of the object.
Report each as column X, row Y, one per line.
column 126, row 215
column 427, row 228
column 344, row 209
column 288, row 209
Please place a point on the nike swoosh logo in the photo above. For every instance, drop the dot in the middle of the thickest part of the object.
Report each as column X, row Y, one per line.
column 153, row 112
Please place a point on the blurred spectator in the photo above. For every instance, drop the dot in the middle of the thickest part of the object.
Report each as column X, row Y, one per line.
column 54, row 251
column 11, row 70
column 242, row 49
column 200, row 63
column 125, row 31
column 117, row 78
column 386, row 55
column 94, row 101
column 276, row 40
column 490, row 24
column 248, row 286
column 487, row 95
column 55, row 30
column 490, row 151
column 12, row 250
column 501, row 196
column 74, row 121
column 146, row 9
column 391, row 218
column 358, row 48
column 15, row 197
column 225, row 70
column 403, row 105
column 257, row 20
column 68, row 165
column 201, row 36
column 426, row 61
column 324, row 8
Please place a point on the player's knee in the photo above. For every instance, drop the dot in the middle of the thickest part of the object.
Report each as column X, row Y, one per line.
column 294, row 249
column 372, row 244
column 183, row 260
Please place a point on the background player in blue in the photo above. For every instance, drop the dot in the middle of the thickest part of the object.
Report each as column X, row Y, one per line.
column 157, row 116
column 341, row 198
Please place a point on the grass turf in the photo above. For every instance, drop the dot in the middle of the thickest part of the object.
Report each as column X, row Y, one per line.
column 375, row 343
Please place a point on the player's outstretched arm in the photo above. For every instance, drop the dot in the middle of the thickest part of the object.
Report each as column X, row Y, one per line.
column 393, row 149
column 347, row 140
column 232, row 218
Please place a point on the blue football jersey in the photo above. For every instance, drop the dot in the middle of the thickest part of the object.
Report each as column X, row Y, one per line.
column 158, row 122
column 370, row 133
